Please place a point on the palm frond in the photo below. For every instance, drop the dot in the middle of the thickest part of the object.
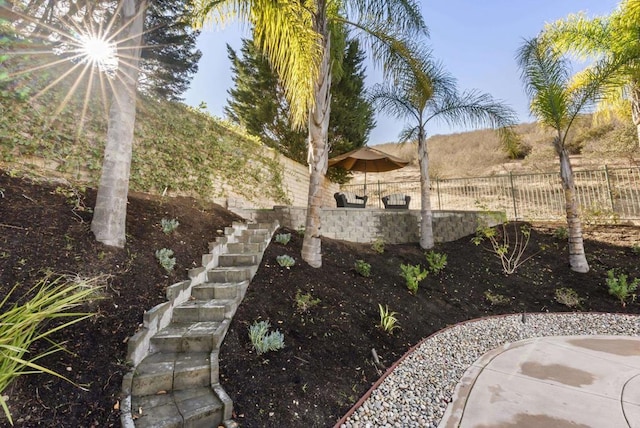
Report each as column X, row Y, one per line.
column 402, row 16
column 579, row 35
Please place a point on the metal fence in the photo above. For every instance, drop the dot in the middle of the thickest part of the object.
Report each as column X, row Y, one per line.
column 604, row 195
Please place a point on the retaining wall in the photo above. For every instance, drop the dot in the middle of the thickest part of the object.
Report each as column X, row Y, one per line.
column 366, row 225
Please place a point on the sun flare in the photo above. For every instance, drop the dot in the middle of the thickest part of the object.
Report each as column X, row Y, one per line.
column 99, row 53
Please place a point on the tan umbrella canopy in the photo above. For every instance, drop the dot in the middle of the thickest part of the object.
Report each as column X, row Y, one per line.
column 367, row 159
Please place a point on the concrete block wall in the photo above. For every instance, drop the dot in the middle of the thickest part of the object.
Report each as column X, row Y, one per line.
column 367, row 225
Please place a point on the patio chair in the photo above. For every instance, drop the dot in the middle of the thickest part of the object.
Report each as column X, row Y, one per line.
column 396, row 201
column 350, row 200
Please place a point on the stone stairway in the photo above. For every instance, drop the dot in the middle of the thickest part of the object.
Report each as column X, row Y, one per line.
column 175, row 382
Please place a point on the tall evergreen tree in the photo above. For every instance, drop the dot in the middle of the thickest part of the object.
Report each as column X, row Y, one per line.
column 258, row 103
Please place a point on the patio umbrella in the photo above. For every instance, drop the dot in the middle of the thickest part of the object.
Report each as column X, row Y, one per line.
column 367, row 159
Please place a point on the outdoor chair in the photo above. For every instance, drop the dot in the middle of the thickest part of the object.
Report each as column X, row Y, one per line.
column 350, row 200
column 396, row 201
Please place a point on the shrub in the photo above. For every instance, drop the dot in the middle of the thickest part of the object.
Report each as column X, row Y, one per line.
column 263, row 340
column 378, row 245
column 283, row 238
column 620, row 288
column 636, row 249
column 436, row 261
column 511, row 254
column 413, row 275
column 305, row 301
column 169, row 226
column 568, row 297
column 561, row 233
column 388, row 320
column 496, row 299
column 166, row 259
column 22, row 325
column 363, row 268
column 285, row 261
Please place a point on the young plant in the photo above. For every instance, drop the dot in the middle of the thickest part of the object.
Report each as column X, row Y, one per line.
column 437, row 262
column 166, row 259
column 636, row 249
column 388, row 320
column 413, row 274
column 620, row 288
column 283, row 238
column 23, row 324
column 568, row 297
column 561, row 233
column 305, row 301
column 511, row 254
column 363, row 268
column 285, row 261
column 378, row 245
column 496, row 299
column 263, row 340
column 169, row 226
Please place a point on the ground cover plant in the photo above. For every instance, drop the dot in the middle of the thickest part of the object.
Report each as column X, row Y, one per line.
column 327, row 361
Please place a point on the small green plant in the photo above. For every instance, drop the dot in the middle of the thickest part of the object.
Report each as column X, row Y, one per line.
column 388, row 320
column 511, row 254
column 413, row 274
column 568, row 297
column 285, row 261
column 169, row 226
column 263, row 340
column 636, row 249
column 166, row 259
column 283, row 238
column 437, row 261
column 378, row 245
column 301, row 229
column 620, row 288
column 23, row 324
column 496, row 299
column 363, row 268
column 305, row 301
column 561, row 233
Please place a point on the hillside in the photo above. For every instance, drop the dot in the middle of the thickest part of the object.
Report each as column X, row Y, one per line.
column 479, row 153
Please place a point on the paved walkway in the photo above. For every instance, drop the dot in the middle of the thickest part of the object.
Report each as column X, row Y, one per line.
column 554, row 382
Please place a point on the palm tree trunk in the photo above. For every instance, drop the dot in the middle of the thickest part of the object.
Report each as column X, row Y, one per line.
column 635, row 107
column 110, row 213
column 426, row 216
column 577, row 258
column 318, row 156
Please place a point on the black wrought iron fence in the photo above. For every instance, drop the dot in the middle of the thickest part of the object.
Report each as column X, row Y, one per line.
column 607, row 194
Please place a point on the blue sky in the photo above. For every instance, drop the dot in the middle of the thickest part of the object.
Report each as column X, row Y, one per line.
column 476, row 40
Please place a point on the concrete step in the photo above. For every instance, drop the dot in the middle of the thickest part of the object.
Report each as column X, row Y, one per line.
column 231, row 274
column 165, row 371
column 264, row 226
column 241, row 247
column 190, row 337
column 231, row 260
column 217, row 290
column 194, row 408
column 204, row 310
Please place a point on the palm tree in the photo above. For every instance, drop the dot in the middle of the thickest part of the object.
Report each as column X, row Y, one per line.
column 434, row 96
column 295, row 35
column 612, row 36
column 109, row 217
column 556, row 101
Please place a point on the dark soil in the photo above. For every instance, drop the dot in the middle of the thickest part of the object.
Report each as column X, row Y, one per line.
column 326, row 364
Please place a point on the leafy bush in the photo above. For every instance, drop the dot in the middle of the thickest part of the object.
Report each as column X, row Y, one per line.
column 413, row 275
column 166, row 259
column 363, row 268
column 568, row 297
column 437, row 262
column 561, row 233
column 511, row 254
column 169, row 226
column 22, row 325
column 496, row 299
column 620, row 288
column 388, row 320
column 283, row 238
column 378, row 245
column 285, row 261
column 305, row 301
column 263, row 340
